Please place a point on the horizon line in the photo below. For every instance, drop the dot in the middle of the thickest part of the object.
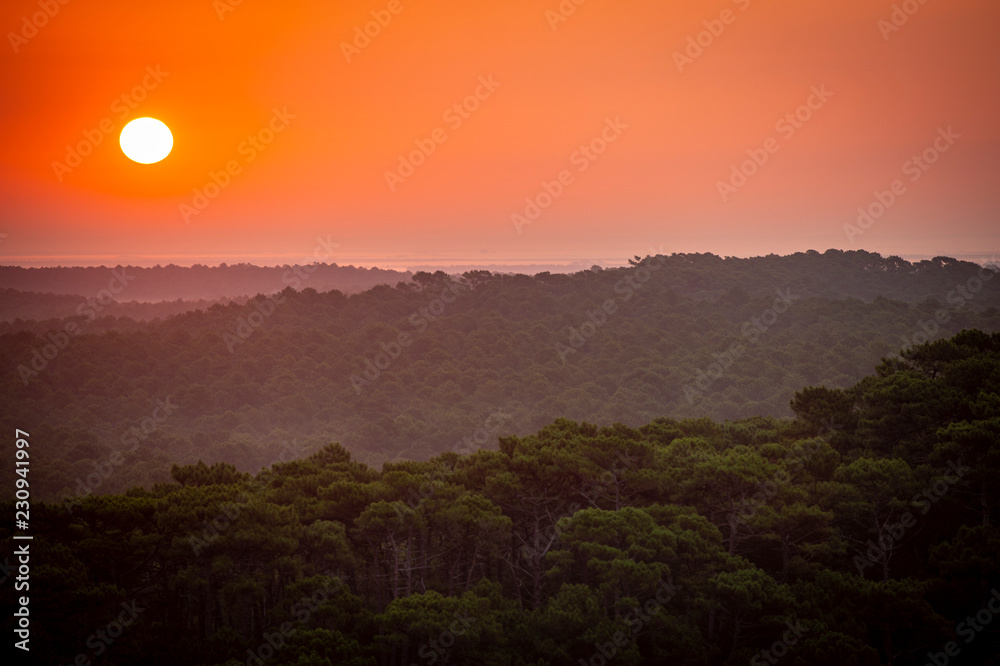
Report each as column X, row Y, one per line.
column 400, row 264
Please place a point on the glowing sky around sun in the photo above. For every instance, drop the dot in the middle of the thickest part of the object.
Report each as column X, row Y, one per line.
column 611, row 131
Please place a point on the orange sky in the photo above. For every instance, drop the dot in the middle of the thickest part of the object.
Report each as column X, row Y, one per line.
column 656, row 185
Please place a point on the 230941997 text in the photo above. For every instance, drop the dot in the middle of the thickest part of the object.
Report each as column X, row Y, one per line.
column 22, row 514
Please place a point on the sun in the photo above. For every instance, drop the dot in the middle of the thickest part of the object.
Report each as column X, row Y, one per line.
column 146, row 140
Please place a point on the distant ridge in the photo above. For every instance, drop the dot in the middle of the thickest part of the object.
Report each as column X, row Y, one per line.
column 168, row 283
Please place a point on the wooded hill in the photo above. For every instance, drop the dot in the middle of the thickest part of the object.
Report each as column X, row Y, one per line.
column 862, row 532
column 192, row 283
column 445, row 363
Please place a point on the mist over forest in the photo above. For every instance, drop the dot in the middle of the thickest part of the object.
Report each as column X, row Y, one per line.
column 688, row 459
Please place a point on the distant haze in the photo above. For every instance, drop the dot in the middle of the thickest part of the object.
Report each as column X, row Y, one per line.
column 588, row 139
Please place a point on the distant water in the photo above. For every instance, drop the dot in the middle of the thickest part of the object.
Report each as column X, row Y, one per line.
column 430, row 264
column 400, row 263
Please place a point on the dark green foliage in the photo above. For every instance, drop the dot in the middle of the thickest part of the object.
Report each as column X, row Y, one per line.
column 682, row 541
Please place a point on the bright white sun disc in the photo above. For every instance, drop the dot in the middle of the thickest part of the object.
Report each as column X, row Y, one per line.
column 146, row 140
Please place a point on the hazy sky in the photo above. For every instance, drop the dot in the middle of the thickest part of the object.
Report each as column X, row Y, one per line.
column 310, row 115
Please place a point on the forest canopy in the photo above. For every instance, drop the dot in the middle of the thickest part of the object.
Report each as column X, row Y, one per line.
column 862, row 531
column 449, row 363
column 443, row 363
